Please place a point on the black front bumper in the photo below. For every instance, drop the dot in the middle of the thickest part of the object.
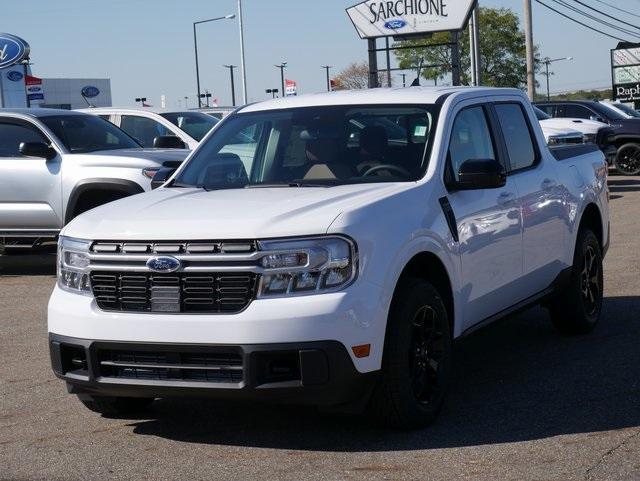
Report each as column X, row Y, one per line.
column 316, row 373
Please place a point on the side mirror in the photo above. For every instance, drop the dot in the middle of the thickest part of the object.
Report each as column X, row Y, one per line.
column 37, row 149
column 480, row 174
column 168, row 142
column 596, row 118
column 162, row 176
column 168, row 169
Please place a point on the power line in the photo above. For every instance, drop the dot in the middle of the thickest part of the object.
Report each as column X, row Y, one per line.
column 618, row 8
column 579, row 22
column 606, row 14
column 596, row 19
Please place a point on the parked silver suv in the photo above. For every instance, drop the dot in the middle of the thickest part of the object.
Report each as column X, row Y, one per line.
column 56, row 164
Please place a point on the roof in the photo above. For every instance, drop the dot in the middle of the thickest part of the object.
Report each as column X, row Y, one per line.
column 409, row 95
column 566, row 102
column 38, row 112
column 134, row 109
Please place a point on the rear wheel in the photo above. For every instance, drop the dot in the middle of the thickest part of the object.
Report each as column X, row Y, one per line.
column 117, row 406
column 576, row 310
column 416, row 365
column 627, row 160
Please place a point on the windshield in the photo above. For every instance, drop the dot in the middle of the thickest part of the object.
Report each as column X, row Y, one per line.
column 87, row 133
column 195, row 124
column 540, row 114
column 314, row 146
column 627, row 110
column 607, row 112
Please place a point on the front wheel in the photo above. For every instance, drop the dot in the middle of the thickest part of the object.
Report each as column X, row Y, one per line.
column 416, row 364
column 627, row 161
column 116, row 406
column 576, row 310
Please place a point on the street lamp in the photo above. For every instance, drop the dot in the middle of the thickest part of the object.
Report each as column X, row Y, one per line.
column 327, row 67
column 273, row 92
column 195, row 45
column 547, row 61
column 233, row 85
column 282, row 66
column 206, row 96
column 142, row 100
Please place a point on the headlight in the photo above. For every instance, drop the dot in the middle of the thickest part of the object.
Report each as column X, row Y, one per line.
column 553, row 140
column 589, row 138
column 305, row 266
column 73, row 261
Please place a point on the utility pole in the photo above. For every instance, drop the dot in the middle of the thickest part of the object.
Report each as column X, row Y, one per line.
column 282, row 66
column 472, row 51
column 476, row 44
column 233, row 85
column 528, row 32
column 327, row 67
column 243, row 67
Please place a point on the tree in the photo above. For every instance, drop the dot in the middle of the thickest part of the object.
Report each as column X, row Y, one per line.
column 356, row 76
column 502, row 51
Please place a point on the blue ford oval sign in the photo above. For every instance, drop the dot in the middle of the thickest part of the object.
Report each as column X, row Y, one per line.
column 12, row 50
column 90, row 91
column 15, row 76
column 163, row 264
column 395, row 24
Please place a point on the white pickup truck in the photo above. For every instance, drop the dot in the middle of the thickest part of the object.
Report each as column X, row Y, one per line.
column 337, row 263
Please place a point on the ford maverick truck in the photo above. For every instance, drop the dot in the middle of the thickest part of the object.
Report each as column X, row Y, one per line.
column 328, row 249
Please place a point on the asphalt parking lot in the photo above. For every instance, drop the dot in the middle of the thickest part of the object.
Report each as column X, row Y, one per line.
column 527, row 404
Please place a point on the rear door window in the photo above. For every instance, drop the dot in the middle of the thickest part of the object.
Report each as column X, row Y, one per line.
column 517, row 135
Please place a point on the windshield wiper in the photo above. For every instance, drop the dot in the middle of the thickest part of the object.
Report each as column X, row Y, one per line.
column 284, row 184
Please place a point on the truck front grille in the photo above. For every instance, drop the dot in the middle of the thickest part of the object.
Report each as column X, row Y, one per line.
column 176, row 366
column 228, row 292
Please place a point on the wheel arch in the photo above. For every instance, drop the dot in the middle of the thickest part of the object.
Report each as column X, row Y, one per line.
column 120, row 186
column 592, row 218
column 429, row 267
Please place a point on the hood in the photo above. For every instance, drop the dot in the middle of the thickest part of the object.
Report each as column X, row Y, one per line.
column 581, row 125
column 630, row 125
column 194, row 214
column 155, row 155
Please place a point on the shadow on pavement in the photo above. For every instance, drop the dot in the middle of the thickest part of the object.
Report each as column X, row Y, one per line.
column 41, row 264
column 516, row 380
column 624, row 184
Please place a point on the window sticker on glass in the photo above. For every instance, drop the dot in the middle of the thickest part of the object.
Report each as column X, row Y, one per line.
column 420, row 131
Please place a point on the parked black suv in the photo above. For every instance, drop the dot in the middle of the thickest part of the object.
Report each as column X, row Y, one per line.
column 626, row 132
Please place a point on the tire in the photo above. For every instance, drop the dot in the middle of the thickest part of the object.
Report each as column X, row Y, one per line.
column 117, row 406
column 576, row 309
column 627, row 161
column 411, row 391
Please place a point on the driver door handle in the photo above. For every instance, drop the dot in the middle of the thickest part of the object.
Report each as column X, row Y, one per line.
column 506, row 198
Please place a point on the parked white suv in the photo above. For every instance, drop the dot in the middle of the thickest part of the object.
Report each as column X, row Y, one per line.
column 56, row 164
column 148, row 126
column 326, row 267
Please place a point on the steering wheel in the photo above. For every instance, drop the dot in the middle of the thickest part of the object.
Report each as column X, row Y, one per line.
column 389, row 167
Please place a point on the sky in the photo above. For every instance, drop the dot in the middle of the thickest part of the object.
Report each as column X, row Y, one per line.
column 146, row 46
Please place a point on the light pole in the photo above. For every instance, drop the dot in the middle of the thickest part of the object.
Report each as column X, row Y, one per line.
column 273, row 92
column 327, row 68
column 243, row 67
column 195, row 46
column 142, row 100
column 282, row 66
column 547, row 61
column 233, row 85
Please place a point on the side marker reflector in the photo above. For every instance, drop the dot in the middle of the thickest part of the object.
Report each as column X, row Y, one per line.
column 361, row 351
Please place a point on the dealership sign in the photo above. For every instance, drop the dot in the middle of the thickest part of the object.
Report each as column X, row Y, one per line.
column 34, row 88
column 625, row 72
column 408, row 17
column 12, row 50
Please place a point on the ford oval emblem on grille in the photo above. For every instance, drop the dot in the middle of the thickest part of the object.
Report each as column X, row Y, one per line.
column 163, row 264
